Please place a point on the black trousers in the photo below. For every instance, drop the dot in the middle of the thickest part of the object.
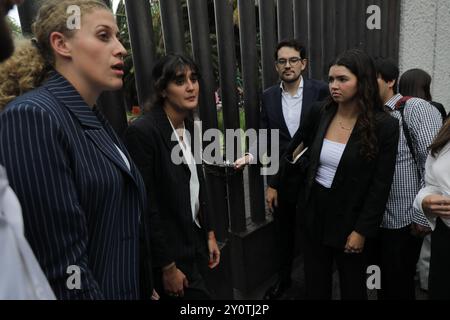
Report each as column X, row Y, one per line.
column 284, row 219
column 319, row 258
column 398, row 254
column 439, row 277
column 193, row 268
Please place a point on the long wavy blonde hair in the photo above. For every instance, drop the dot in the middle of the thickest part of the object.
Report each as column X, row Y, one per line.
column 28, row 67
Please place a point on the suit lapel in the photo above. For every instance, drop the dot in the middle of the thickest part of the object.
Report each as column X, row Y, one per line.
column 351, row 151
column 278, row 112
column 170, row 141
column 307, row 101
column 94, row 129
column 316, row 146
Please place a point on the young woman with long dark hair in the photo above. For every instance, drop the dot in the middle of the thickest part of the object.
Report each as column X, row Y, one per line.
column 352, row 146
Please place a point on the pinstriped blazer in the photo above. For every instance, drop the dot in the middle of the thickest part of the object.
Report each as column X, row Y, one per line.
column 81, row 203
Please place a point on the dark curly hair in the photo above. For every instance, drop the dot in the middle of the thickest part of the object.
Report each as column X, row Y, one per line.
column 367, row 96
column 164, row 71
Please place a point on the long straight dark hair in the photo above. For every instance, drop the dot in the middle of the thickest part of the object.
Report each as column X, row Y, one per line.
column 367, row 96
column 415, row 83
column 442, row 138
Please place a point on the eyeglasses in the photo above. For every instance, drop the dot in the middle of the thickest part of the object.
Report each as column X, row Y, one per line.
column 292, row 61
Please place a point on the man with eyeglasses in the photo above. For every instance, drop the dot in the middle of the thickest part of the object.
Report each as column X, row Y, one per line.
column 285, row 107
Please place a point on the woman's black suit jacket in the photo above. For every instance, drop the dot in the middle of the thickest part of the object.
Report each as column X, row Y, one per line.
column 360, row 188
column 173, row 235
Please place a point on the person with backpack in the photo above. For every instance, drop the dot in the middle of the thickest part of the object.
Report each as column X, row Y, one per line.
column 403, row 227
column 417, row 83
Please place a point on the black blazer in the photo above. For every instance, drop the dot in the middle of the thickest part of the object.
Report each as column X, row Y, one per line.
column 272, row 113
column 360, row 187
column 172, row 229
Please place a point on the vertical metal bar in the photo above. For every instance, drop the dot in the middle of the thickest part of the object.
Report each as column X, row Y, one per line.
column 301, row 27
column 385, row 33
column 27, row 14
column 140, row 29
column 202, row 53
column 268, row 42
column 392, row 35
column 220, row 278
column 249, row 58
column 301, row 16
column 172, row 26
column 352, row 32
column 227, row 62
column 377, row 45
column 369, row 34
column 361, row 26
column 341, row 27
column 316, row 39
column 329, row 18
column 285, row 19
column 112, row 104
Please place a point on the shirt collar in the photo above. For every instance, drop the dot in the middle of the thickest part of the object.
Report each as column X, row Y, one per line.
column 393, row 101
column 300, row 88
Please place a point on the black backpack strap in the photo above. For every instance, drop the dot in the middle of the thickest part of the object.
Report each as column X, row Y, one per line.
column 407, row 134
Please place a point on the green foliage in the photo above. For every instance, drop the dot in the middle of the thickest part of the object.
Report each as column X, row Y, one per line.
column 241, row 119
column 15, row 28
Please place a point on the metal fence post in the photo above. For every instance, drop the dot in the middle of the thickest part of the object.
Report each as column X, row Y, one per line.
column 268, row 37
column 227, row 61
column 172, row 25
column 249, row 58
column 142, row 44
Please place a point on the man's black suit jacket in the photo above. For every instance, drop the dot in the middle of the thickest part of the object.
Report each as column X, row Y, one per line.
column 272, row 114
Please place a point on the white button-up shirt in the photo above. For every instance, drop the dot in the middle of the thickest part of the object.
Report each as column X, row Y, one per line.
column 292, row 107
column 194, row 183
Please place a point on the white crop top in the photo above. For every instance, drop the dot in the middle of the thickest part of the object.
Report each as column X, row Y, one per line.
column 330, row 156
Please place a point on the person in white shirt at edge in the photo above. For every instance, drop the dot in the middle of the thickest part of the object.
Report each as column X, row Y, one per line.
column 417, row 83
column 434, row 201
column 20, row 274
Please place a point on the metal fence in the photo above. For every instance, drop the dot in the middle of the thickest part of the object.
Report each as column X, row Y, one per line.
column 326, row 27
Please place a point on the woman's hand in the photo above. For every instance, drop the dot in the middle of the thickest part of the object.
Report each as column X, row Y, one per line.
column 355, row 243
column 155, row 295
column 436, row 204
column 271, row 198
column 240, row 163
column 214, row 252
column 174, row 281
